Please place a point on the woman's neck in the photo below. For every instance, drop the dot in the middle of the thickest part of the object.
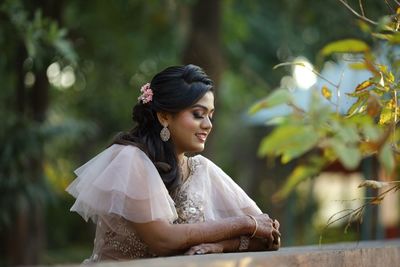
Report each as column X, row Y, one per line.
column 184, row 166
column 181, row 157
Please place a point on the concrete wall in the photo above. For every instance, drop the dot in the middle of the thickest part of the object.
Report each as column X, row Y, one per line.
column 370, row 253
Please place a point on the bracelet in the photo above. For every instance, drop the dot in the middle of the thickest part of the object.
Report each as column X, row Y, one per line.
column 256, row 228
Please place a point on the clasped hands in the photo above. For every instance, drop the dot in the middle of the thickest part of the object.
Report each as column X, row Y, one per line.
column 266, row 232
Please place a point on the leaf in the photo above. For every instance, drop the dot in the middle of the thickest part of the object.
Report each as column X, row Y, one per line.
column 386, row 116
column 390, row 77
column 277, row 97
column 347, row 133
column 363, row 93
column 364, row 85
column 392, row 38
column 345, row 46
column 382, row 36
column 377, row 200
column 358, row 66
column 290, row 141
column 373, row 184
column 289, row 64
column 326, row 92
column 349, row 156
column 386, row 158
column 371, row 131
column 299, row 174
column 357, row 105
column 388, row 113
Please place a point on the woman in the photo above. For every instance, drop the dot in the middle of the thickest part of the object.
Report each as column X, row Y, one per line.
column 149, row 199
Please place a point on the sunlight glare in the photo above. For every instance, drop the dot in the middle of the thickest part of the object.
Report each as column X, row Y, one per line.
column 303, row 74
column 67, row 77
column 61, row 79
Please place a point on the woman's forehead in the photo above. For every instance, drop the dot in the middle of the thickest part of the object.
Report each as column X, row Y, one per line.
column 206, row 102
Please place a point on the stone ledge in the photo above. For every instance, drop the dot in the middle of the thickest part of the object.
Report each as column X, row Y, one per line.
column 367, row 253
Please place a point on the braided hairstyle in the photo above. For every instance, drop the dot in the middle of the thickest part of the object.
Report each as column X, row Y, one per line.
column 174, row 89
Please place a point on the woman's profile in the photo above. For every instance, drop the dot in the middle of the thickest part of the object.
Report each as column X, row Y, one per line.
column 149, row 198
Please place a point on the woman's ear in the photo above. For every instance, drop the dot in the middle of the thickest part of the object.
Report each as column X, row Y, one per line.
column 163, row 118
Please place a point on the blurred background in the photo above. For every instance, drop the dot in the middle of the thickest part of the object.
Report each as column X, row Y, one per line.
column 70, row 73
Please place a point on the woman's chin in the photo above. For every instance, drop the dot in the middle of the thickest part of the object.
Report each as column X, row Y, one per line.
column 197, row 149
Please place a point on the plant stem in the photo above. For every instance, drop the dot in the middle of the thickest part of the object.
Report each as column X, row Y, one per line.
column 357, row 14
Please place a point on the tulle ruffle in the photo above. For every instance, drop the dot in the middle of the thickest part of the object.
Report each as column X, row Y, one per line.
column 122, row 181
column 221, row 195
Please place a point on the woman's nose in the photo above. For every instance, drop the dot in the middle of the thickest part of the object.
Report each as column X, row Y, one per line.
column 207, row 124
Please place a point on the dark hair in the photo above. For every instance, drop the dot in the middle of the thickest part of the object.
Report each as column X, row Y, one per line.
column 174, row 89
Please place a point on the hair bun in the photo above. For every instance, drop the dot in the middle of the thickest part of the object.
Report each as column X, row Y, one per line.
column 193, row 73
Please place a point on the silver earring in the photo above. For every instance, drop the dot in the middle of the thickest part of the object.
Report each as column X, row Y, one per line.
column 165, row 134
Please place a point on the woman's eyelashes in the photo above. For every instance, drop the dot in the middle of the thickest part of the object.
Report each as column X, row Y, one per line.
column 201, row 116
column 198, row 115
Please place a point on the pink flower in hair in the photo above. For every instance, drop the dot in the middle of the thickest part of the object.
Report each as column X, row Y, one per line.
column 147, row 94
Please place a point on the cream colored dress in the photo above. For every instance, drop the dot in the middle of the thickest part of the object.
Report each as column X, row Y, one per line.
column 121, row 185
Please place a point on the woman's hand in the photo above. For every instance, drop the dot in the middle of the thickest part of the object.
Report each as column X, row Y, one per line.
column 267, row 238
column 206, row 248
column 268, row 230
column 266, row 227
column 276, row 244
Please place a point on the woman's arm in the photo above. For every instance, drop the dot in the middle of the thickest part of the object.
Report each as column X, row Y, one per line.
column 164, row 238
column 232, row 245
column 244, row 243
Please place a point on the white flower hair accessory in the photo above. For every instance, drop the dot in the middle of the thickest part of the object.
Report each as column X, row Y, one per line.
column 147, row 94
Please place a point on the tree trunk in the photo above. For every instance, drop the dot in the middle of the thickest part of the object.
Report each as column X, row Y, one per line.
column 26, row 236
column 203, row 47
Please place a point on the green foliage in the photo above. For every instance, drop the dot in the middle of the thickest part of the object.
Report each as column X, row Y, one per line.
column 276, row 98
column 290, row 140
column 22, row 146
column 368, row 128
column 42, row 37
column 344, row 46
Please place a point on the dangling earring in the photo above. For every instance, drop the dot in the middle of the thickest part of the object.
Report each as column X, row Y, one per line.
column 165, row 134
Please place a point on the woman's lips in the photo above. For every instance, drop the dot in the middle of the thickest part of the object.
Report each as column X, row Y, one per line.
column 202, row 136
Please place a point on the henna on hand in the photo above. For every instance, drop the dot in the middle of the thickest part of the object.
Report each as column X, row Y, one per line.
column 205, row 248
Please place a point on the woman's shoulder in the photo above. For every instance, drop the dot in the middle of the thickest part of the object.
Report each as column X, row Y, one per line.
column 200, row 159
column 205, row 162
column 115, row 154
column 128, row 150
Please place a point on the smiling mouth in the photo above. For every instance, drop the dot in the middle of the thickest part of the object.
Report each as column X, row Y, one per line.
column 202, row 136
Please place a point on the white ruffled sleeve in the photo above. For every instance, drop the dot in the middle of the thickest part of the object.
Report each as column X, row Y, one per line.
column 123, row 181
column 223, row 197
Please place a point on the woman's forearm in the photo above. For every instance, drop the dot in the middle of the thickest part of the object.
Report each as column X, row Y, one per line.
column 234, row 245
column 255, row 244
column 169, row 239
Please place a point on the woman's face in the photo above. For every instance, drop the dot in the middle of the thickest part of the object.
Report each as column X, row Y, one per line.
column 190, row 127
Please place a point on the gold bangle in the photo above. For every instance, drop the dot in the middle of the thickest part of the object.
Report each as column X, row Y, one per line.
column 256, row 228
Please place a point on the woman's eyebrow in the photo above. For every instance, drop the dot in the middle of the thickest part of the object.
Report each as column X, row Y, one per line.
column 201, row 106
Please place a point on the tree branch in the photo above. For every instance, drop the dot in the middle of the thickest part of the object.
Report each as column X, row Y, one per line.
column 357, row 14
column 361, row 7
column 390, row 7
